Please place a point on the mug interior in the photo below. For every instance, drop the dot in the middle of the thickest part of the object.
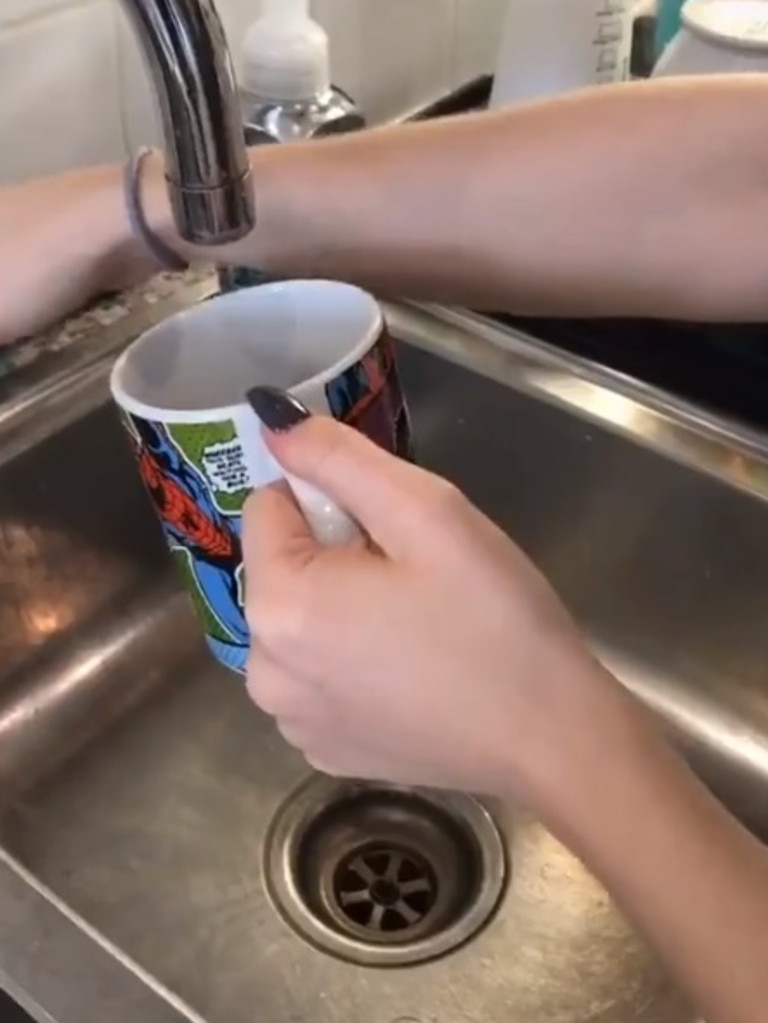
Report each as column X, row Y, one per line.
column 278, row 335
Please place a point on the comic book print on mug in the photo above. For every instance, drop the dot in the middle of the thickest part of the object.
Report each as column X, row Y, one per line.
column 369, row 397
column 197, row 481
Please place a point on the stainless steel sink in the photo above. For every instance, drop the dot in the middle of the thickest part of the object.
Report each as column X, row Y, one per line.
column 164, row 856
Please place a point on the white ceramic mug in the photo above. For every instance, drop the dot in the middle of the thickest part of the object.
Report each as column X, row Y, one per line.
column 199, row 445
column 718, row 37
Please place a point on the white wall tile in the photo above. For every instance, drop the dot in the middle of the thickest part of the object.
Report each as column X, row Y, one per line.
column 59, row 85
column 76, row 90
column 12, row 11
column 389, row 54
column 139, row 112
column 139, row 117
column 477, row 39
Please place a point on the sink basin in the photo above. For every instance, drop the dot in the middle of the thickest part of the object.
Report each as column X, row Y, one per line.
column 165, row 856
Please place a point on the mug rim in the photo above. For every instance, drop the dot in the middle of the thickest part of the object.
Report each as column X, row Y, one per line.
column 159, row 413
column 695, row 15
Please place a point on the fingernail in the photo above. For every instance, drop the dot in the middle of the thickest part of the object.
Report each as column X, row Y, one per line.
column 278, row 410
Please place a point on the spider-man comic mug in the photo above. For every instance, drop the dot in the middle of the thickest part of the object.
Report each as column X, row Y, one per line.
column 199, row 446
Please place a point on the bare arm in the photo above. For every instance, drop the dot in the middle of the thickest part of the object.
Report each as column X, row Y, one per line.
column 644, row 199
column 685, row 871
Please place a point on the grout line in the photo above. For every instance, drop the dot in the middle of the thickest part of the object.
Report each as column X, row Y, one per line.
column 453, row 50
column 122, row 78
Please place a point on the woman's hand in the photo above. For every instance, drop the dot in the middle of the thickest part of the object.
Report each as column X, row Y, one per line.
column 438, row 655
column 435, row 655
column 58, row 238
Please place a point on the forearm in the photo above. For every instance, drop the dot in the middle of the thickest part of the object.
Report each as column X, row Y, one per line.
column 56, row 236
column 685, row 872
column 644, row 199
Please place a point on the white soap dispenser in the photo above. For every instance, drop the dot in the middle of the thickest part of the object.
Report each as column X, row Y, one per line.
column 286, row 78
column 550, row 47
column 286, row 92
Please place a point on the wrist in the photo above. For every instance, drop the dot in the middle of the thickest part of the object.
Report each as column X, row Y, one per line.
column 592, row 733
column 154, row 202
column 610, row 762
column 120, row 259
column 127, row 259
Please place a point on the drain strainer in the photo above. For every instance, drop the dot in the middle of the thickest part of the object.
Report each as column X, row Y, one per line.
column 383, row 876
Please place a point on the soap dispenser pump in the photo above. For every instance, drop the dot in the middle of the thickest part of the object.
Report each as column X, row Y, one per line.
column 286, row 91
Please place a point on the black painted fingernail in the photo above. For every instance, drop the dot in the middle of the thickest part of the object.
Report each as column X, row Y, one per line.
column 278, row 410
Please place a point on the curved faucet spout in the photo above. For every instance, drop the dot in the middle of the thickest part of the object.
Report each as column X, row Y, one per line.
column 207, row 163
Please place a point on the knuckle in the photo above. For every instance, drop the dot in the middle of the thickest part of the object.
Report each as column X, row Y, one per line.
column 324, row 765
column 335, row 443
column 260, row 683
column 277, row 616
column 320, row 441
column 446, row 504
column 296, row 733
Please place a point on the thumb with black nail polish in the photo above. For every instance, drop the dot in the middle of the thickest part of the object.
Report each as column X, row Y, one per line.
column 278, row 410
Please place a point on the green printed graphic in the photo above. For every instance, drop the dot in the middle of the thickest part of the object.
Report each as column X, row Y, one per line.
column 210, row 622
column 214, row 449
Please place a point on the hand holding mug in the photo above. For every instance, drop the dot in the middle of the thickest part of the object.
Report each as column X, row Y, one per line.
column 436, row 655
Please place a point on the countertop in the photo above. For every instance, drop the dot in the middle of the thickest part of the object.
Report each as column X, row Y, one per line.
column 85, row 326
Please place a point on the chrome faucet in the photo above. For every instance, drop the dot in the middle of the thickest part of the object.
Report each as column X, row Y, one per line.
column 206, row 159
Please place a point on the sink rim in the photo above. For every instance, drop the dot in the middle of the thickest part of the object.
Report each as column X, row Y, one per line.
column 43, row 402
column 681, row 431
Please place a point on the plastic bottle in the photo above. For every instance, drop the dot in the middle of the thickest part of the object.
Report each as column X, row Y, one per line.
column 554, row 46
column 667, row 22
column 286, row 92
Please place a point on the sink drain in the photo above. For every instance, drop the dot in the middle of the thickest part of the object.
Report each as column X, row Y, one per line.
column 383, row 876
column 387, row 890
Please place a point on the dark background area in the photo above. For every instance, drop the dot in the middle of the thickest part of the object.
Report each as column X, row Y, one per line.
column 10, row 1012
